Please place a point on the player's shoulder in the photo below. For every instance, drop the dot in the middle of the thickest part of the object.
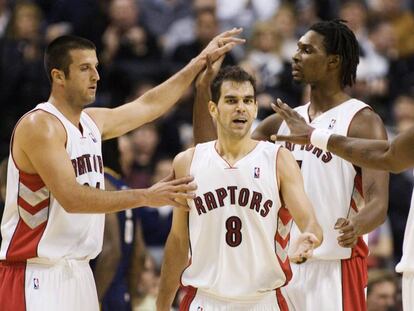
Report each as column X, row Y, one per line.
column 40, row 124
column 366, row 123
column 184, row 156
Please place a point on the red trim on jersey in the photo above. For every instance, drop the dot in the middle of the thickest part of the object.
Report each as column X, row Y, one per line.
column 354, row 282
column 188, row 298
column 358, row 182
column 30, row 208
column 285, row 217
column 12, row 292
column 32, row 181
column 24, row 242
column 281, row 302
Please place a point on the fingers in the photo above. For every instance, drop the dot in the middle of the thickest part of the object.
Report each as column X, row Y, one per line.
column 169, row 177
column 181, row 181
column 341, row 222
column 229, row 33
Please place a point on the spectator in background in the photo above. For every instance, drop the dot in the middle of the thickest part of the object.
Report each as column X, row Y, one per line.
column 207, row 27
column 4, row 17
column 382, row 291
column 22, row 77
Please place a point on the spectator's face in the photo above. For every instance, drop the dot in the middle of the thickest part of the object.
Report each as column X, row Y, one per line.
column 123, row 14
column 207, row 27
column 81, row 84
column 310, row 62
column 381, row 297
column 145, row 139
column 404, row 113
column 384, row 39
column 236, row 109
column 27, row 23
column 354, row 14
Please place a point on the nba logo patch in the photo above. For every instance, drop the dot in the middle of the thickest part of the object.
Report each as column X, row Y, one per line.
column 256, row 172
column 332, row 124
column 200, row 308
column 36, row 283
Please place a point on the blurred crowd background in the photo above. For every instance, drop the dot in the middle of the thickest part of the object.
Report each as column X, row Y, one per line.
column 140, row 43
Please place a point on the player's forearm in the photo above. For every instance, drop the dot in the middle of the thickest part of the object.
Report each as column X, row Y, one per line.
column 161, row 98
column 85, row 199
column 370, row 217
column 361, row 152
column 175, row 261
column 204, row 129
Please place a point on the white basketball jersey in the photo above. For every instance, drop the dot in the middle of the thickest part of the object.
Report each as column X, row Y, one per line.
column 34, row 224
column 407, row 261
column 239, row 233
column 332, row 184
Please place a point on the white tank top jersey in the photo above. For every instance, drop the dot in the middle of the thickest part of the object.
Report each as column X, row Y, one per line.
column 333, row 185
column 34, row 225
column 407, row 261
column 239, row 232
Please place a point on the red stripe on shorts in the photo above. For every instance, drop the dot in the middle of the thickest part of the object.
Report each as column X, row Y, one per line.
column 12, row 294
column 354, row 282
column 281, row 302
column 188, row 298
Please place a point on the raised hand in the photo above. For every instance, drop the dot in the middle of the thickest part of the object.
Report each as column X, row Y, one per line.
column 299, row 130
column 205, row 78
column 221, row 44
column 303, row 247
column 348, row 234
column 170, row 191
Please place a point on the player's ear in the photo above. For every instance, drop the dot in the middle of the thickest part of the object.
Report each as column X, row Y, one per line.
column 334, row 61
column 58, row 76
column 212, row 108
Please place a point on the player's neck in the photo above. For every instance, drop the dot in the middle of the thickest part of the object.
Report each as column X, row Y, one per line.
column 71, row 112
column 233, row 150
column 325, row 97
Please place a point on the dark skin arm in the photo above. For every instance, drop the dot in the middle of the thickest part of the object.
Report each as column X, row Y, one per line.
column 394, row 156
column 366, row 124
column 203, row 127
column 267, row 127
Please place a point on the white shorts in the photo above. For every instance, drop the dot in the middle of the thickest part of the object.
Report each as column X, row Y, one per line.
column 65, row 286
column 196, row 300
column 328, row 285
column 407, row 291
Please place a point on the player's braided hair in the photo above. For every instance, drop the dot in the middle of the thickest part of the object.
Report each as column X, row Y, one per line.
column 230, row 73
column 340, row 40
column 57, row 53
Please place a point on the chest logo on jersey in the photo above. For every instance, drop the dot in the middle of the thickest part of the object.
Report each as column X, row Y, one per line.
column 232, row 196
column 324, row 156
column 256, row 172
column 87, row 163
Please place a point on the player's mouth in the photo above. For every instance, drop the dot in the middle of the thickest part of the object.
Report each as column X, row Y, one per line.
column 240, row 120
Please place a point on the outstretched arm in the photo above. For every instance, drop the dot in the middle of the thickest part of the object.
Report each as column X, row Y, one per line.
column 394, row 156
column 176, row 255
column 157, row 101
column 298, row 204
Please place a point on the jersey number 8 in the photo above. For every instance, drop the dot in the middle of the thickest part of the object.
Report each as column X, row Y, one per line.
column 233, row 234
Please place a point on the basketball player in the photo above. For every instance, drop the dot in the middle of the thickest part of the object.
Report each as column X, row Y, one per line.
column 335, row 278
column 53, row 219
column 349, row 201
column 394, row 156
column 237, row 230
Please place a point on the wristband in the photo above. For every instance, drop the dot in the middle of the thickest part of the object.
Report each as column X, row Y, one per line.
column 320, row 137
